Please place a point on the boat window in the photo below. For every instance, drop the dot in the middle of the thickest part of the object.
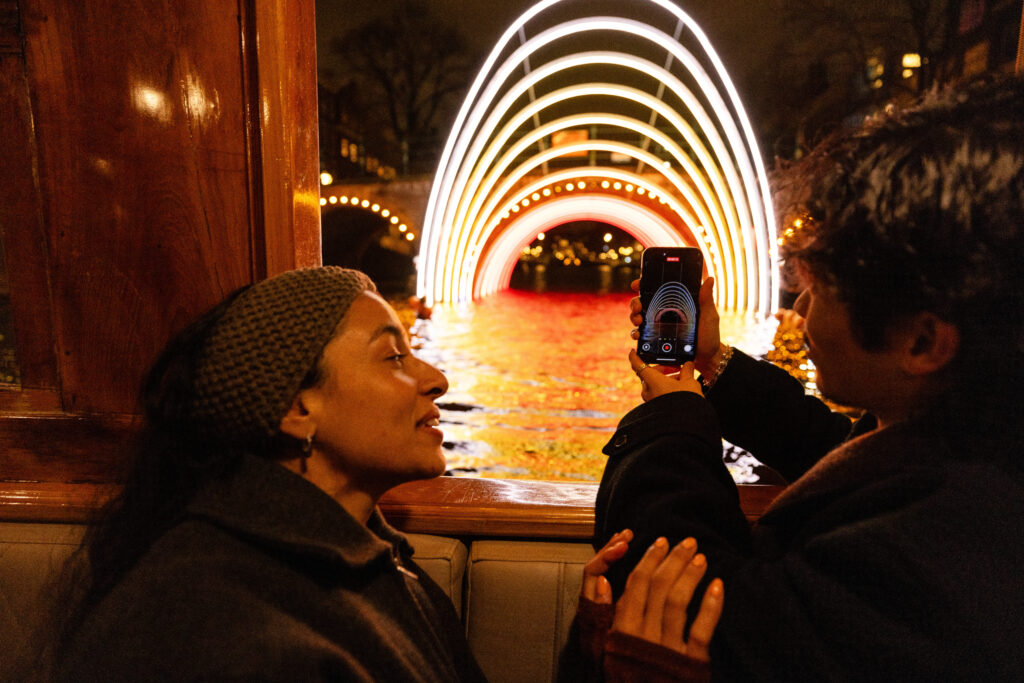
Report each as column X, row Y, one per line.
column 9, row 372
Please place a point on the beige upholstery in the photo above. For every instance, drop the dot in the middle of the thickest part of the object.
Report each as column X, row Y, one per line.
column 31, row 559
column 520, row 601
column 444, row 559
column 517, row 599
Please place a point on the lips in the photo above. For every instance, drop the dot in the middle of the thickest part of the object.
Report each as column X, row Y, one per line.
column 431, row 419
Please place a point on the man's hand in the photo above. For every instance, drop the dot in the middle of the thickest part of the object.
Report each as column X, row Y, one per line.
column 708, row 335
column 657, row 380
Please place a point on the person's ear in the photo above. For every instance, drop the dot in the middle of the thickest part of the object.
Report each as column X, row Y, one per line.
column 298, row 422
column 930, row 344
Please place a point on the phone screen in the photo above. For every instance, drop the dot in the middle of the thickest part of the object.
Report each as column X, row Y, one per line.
column 669, row 286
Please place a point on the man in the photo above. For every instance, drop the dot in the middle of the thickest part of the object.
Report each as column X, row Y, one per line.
column 896, row 553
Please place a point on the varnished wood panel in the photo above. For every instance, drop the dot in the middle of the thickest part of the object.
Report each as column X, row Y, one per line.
column 468, row 508
column 63, row 448
column 52, row 502
column 492, row 507
column 282, row 46
column 143, row 164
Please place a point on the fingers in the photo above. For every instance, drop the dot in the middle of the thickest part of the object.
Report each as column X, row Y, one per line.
column 634, row 360
column 707, row 618
column 636, row 317
column 708, row 333
column 612, row 551
column 664, row 593
column 658, row 592
column 655, row 381
column 629, row 612
column 706, row 297
column 679, row 599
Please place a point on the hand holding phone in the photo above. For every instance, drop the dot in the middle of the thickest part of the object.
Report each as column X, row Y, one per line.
column 670, row 280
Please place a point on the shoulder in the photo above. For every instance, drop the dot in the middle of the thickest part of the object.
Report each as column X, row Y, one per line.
column 196, row 604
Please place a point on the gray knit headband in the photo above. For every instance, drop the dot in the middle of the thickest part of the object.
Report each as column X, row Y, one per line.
column 264, row 345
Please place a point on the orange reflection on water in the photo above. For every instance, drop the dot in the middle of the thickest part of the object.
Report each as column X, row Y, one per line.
column 538, row 382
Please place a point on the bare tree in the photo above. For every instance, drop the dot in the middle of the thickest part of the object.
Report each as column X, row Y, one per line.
column 822, row 62
column 409, row 65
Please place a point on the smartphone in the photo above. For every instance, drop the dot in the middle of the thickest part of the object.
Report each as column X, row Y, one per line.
column 670, row 280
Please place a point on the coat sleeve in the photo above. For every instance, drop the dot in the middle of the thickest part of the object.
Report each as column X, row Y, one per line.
column 665, row 477
column 764, row 410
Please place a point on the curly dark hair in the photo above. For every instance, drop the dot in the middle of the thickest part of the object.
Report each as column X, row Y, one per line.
column 921, row 209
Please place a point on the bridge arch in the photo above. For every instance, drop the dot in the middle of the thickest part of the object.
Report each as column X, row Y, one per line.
column 676, row 129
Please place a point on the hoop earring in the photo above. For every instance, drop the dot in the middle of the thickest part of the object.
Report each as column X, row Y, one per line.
column 307, row 448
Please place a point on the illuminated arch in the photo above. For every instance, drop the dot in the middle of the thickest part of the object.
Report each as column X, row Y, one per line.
column 649, row 228
column 710, row 176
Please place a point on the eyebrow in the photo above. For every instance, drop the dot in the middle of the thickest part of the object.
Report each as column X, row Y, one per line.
column 387, row 328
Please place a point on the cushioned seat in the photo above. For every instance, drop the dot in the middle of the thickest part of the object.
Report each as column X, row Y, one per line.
column 31, row 559
column 33, row 555
column 521, row 598
column 516, row 598
column 444, row 559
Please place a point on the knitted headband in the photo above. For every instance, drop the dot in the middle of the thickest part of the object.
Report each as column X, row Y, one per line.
column 264, row 345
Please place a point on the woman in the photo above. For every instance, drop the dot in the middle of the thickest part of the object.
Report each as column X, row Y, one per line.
column 246, row 542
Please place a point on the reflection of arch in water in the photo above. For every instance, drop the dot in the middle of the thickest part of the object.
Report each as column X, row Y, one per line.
column 679, row 124
column 671, row 299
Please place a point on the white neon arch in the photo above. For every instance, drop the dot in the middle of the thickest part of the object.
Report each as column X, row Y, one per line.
column 449, row 252
column 471, row 192
column 703, row 201
column 677, row 182
column 647, row 227
column 635, row 222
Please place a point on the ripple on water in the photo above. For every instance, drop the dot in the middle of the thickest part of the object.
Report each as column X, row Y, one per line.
column 538, row 382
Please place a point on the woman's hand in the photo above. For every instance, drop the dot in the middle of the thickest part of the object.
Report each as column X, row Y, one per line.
column 709, row 339
column 658, row 591
column 595, row 587
column 654, row 382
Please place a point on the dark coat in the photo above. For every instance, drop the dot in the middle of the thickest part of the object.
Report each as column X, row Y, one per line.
column 268, row 578
column 896, row 556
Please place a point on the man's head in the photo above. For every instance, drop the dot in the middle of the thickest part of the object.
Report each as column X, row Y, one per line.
column 921, row 210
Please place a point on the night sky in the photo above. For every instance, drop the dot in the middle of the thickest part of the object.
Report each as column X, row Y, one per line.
column 740, row 30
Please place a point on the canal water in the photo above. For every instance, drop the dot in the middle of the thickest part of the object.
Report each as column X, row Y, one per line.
column 540, row 380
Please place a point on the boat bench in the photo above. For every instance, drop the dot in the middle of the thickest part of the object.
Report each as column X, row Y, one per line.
column 516, row 598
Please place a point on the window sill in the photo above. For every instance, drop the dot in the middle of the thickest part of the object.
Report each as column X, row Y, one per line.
column 446, row 506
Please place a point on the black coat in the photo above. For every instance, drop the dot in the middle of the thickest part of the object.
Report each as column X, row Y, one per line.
column 896, row 556
column 268, row 578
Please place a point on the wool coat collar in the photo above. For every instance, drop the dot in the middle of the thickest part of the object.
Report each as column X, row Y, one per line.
column 268, row 504
column 864, row 459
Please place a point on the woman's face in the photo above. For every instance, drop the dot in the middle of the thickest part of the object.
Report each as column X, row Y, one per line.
column 375, row 417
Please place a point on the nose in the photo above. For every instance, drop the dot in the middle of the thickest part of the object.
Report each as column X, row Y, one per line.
column 433, row 382
column 802, row 303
